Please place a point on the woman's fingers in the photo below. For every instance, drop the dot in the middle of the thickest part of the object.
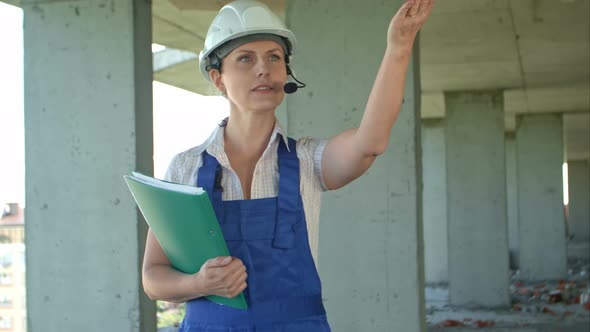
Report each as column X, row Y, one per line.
column 236, row 290
column 224, row 276
column 217, row 262
column 425, row 9
column 413, row 13
column 240, row 289
column 235, row 284
column 238, row 285
column 237, row 276
column 419, row 8
column 233, row 279
column 415, row 8
column 404, row 11
column 236, row 267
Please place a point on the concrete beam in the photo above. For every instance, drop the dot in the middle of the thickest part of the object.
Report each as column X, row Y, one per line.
column 166, row 32
column 186, row 75
column 577, row 136
column 432, row 105
column 12, row 2
column 520, row 101
column 278, row 6
column 547, row 100
column 171, row 57
column 213, row 5
column 509, row 122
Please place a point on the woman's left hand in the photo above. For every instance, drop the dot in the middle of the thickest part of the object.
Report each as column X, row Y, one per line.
column 407, row 22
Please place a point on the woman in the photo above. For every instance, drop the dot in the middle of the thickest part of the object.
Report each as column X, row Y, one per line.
column 264, row 186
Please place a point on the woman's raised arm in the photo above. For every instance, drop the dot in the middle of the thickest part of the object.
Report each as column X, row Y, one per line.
column 349, row 154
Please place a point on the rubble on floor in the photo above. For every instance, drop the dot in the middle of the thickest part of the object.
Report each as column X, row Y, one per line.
column 550, row 304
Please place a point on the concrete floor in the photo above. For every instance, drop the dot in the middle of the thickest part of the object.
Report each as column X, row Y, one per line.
column 563, row 317
column 582, row 327
column 533, row 309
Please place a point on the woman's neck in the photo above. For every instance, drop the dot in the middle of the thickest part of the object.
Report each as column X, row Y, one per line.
column 248, row 132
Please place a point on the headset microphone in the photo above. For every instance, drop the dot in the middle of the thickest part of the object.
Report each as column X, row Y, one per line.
column 291, row 87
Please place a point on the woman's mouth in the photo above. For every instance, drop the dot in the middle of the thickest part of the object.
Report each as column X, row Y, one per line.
column 263, row 88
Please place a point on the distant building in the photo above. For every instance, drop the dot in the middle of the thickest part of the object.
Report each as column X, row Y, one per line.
column 12, row 269
column 12, row 223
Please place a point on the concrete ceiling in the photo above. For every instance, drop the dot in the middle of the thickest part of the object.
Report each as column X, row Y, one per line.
column 538, row 51
column 491, row 44
column 12, row 2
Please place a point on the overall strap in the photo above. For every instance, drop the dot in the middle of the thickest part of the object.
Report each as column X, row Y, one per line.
column 209, row 178
column 289, row 201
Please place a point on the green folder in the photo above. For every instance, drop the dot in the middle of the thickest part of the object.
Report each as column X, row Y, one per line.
column 184, row 222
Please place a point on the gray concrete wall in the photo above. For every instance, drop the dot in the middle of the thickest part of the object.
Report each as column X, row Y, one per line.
column 579, row 197
column 541, row 232
column 476, row 194
column 88, row 121
column 511, row 199
column 436, row 259
column 370, row 251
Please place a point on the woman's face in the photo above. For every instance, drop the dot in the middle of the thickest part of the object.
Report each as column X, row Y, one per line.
column 253, row 75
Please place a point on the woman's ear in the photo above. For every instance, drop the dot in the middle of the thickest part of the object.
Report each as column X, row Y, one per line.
column 215, row 77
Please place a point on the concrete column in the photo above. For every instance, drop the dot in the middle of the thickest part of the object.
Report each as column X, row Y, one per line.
column 436, row 259
column 88, row 121
column 370, row 249
column 476, row 187
column 579, row 201
column 541, row 232
column 511, row 199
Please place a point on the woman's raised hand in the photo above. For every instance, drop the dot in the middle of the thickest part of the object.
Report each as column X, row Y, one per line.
column 222, row 276
column 407, row 22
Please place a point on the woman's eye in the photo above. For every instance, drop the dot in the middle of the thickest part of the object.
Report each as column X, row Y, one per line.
column 275, row 57
column 244, row 58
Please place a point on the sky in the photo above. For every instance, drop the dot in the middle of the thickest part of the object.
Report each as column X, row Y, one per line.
column 201, row 114
column 12, row 165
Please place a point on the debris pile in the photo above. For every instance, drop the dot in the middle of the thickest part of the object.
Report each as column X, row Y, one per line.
column 562, row 299
column 466, row 322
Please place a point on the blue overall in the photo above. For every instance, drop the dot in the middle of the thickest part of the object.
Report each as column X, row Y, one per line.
column 269, row 235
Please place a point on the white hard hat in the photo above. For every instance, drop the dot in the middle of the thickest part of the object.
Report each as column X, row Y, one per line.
column 239, row 19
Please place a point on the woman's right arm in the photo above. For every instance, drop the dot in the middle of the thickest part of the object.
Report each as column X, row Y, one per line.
column 222, row 276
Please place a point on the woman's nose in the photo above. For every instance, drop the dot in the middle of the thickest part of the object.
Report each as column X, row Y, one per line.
column 263, row 68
